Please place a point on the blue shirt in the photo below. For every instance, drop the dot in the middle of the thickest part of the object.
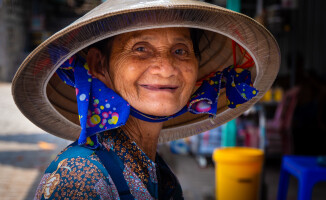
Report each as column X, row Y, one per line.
column 75, row 174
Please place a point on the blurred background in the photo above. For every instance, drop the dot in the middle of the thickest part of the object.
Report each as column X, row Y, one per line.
column 289, row 120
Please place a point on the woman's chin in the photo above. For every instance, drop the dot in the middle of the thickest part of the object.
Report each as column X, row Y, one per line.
column 160, row 111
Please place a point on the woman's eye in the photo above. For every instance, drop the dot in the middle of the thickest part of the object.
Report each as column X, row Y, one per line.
column 141, row 49
column 180, row 52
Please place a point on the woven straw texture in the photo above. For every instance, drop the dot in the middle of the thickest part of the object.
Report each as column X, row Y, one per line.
column 50, row 104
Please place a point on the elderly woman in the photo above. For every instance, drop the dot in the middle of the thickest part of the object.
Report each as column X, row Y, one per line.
column 143, row 72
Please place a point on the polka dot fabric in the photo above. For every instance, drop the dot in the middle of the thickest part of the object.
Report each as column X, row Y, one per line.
column 99, row 107
column 239, row 90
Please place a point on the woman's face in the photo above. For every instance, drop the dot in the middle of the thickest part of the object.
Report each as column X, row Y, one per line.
column 154, row 70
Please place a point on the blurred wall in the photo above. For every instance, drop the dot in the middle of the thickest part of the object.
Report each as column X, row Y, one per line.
column 26, row 24
column 13, row 37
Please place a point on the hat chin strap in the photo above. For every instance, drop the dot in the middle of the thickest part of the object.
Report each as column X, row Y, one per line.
column 151, row 118
column 204, row 103
column 101, row 109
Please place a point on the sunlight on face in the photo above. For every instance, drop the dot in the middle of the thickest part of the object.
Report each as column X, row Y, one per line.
column 154, row 70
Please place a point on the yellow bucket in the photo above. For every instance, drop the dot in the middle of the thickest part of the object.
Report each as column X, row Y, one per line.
column 238, row 171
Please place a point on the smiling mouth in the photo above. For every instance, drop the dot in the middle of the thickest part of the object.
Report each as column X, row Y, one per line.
column 168, row 88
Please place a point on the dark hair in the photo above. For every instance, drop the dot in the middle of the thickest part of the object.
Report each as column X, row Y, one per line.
column 105, row 45
column 196, row 35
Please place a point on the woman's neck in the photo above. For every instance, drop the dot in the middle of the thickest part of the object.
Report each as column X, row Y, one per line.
column 144, row 134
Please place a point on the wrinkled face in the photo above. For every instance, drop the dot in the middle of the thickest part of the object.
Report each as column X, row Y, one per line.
column 154, row 70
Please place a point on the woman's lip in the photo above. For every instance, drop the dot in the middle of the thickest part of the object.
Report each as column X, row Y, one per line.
column 170, row 88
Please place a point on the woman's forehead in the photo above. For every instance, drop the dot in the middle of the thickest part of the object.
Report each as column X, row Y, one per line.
column 175, row 33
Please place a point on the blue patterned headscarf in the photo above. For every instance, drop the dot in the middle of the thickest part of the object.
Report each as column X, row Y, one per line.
column 100, row 108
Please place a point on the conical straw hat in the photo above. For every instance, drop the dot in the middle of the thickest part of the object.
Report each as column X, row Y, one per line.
column 50, row 104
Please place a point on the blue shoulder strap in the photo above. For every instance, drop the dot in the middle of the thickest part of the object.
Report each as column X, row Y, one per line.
column 74, row 151
column 107, row 158
column 110, row 163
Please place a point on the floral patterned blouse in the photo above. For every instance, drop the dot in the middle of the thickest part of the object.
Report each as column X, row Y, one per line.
column 78, row 174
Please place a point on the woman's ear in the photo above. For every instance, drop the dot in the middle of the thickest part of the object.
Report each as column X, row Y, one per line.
column 97, row 65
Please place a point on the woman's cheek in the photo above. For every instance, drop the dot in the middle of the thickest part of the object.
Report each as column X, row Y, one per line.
column 125, row 82
column 192, row 74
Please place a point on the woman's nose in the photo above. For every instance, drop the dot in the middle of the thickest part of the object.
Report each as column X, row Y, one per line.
column 164, row 66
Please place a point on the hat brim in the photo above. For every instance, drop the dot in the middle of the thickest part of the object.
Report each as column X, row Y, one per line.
column 50, row 104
